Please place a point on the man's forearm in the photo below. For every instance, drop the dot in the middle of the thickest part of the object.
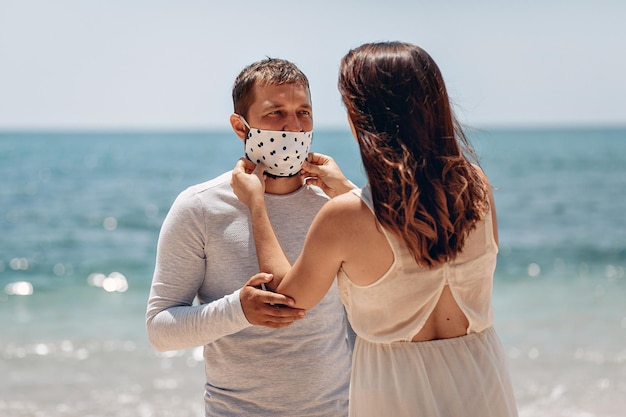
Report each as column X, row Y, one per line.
column 185, row 327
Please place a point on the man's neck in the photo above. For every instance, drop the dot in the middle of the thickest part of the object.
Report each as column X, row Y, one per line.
column 283, row 185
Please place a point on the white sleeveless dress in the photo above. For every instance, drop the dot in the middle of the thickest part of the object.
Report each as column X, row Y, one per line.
column 457, row 377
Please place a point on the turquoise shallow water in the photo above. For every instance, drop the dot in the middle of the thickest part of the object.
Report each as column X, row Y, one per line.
column 80, row 215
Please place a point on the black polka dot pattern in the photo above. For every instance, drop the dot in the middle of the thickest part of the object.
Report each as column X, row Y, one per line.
column 281, row 152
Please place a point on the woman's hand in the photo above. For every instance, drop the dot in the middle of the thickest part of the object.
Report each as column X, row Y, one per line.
column 248, row 182
column 322, row 170
column 266, row 308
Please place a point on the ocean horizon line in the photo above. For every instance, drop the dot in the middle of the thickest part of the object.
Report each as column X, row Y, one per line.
column 71, row 130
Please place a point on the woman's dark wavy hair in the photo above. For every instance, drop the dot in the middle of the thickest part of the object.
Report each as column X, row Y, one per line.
column 417, row 159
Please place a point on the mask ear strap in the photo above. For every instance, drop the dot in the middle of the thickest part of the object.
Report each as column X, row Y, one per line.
column 244, row 121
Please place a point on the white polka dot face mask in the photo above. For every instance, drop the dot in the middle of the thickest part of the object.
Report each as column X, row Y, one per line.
column 283, row 153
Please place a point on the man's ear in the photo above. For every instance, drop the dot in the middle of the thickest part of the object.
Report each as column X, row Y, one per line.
column 238, row 127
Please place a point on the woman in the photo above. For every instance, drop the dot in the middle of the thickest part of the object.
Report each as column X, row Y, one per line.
column 414, row 251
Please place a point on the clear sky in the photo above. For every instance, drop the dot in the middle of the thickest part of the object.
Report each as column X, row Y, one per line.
column 151, row 64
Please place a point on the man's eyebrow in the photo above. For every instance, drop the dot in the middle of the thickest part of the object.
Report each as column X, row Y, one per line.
column 271, row 106
column 274, row 106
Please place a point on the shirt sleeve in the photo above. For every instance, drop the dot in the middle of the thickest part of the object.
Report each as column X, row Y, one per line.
column 172, row 321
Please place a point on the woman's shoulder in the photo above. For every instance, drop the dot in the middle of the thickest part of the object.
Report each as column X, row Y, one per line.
column 480, row 172
column 345, row 202
column 345, row 211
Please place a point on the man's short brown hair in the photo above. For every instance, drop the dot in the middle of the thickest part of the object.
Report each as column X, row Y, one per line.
column 269, row 71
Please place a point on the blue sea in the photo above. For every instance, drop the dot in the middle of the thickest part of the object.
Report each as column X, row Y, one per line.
column 80, row 214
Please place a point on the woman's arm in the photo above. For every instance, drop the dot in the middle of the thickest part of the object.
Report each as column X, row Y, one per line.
column 322, row 255
column 248, row 184
column 492, row 203
column 314, row 271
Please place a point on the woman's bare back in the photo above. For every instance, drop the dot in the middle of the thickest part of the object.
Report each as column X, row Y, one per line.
column 369, row 256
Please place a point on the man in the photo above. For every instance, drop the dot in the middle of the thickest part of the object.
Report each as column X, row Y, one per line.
column 262, row 358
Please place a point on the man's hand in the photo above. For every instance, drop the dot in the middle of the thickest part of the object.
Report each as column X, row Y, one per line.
column 322, row 170
column 248, row 181
column 265, row 308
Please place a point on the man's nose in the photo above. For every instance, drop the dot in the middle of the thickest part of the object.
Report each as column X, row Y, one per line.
column 292, row 123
